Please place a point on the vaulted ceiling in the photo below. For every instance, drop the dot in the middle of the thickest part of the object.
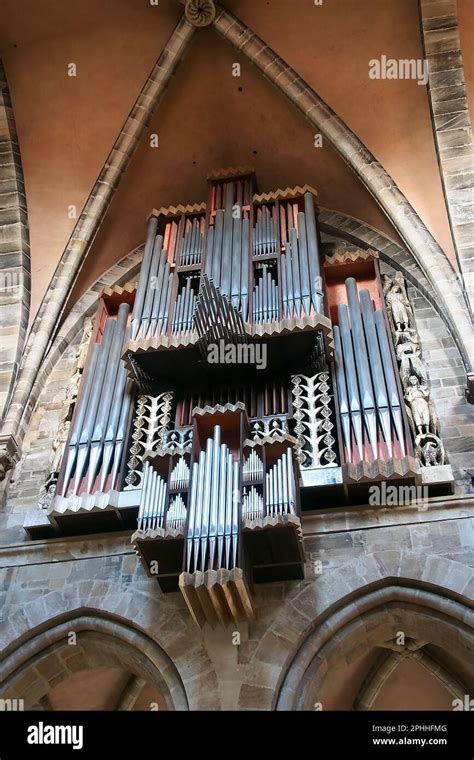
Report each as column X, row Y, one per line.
column 208, row 118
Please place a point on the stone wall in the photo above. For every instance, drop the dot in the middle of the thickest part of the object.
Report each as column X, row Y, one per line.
column 46, row 585
column 369, row 574
column 23, row 489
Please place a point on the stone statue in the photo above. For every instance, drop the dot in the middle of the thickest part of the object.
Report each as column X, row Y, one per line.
column 72, row 388
column 422, row 414
column 408, row 352
column 84, row 344
column 397, row 302
column 59, row 444
column 429, row 450
column 47, row 496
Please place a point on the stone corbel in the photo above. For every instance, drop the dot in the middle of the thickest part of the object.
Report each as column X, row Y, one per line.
column 9, row 454
column 470, row 388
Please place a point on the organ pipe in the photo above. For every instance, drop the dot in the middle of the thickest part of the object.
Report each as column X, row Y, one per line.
column 95, row 447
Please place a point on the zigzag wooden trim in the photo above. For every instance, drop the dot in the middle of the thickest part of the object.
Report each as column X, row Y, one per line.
column 344, row 256
column 287, row 192
column 151, row 534
column 160, row 343
column 195, row 208
column 277, row 521
column 129, row 287
column 393, row 469
column 282, row 326
column 266, row 440
column 218, row 409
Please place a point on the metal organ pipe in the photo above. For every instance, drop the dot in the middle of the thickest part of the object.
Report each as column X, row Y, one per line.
column 295, row 265
column 313, row 253
column 389, row 374
column 376, row 368
column 176, row 515
column 96, row 442
column 191, row 516
column 280, row 493
column 151, row 284
column 144, row 275
column 366, row 390
column 351, row 377
column 213, row 536
column 304, row 265
column 114, row 372
column 80, row 412
column 344, row 409
column 93, row 402
column 157, row 289
column 118, row 434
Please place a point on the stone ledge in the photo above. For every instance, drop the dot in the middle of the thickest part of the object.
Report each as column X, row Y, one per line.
column 343, row 519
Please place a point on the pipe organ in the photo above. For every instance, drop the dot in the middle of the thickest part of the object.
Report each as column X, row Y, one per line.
column 245, row 379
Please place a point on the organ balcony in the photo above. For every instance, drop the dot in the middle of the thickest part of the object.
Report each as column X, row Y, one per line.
column 245, row 380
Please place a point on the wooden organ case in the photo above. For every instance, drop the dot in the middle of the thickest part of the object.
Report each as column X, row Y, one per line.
column 245, row 380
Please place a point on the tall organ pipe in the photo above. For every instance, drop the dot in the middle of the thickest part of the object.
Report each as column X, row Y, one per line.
column 113, row 371
column 365, row 381
column 313, row 253
column 351, row 377
column 376, row 368
column 144, row 275
column 390, row 378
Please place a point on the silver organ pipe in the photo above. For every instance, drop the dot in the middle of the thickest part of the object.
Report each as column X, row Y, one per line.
column 94, row 453
column 144, row 276
column 280, row 491
column 176, row 515
column 316, row 283
column 367, row 389
column 344, row 407
column 252, row 504
column 152, row 510
column 351, row 378
column 389, row 374
column 253, row 468
column 179, row 478
column 376, row 368
column 265, row 298
column 192, row 244
column 213, row 526
column 362, row 362
column 301, row 280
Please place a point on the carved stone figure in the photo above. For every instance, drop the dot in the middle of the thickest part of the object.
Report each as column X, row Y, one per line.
column 84, row 344
column 397, row 302
column 423, row 419
column 72, row 387
column 408, row 352
column 47, row 496
column 421, row 411
column 429, row 450
column 417, row 397
column 59, row 445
